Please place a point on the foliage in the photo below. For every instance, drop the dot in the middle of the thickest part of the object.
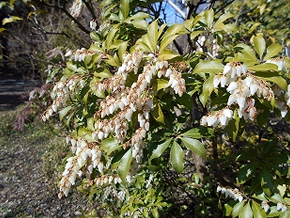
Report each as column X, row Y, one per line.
column 199, row 127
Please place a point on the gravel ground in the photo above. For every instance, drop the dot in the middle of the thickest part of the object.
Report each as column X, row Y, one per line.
column 25, row 191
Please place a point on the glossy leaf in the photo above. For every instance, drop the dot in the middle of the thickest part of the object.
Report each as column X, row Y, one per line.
column 109, row 145
column 124, row 8
column 64, row 112
column 209, row 15
column 260, row 45
column 246, row 212
column 273, row 50
column 258, row 211
column 194, row 145
column 176, row 157
column 208, row 67
column 160, row 149
column 238, row 208
column 207, row 90
column 158, row 113
column 125, row 165
column 219, row 25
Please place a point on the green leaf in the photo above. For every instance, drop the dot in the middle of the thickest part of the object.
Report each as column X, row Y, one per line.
column 110, row 37
column 260, row 45
column 152, row 33
column 122, row 50
column 264, row 67
column 247, row 55
column 267, row 183
column 161, row 84
column 172, row 30
column 167, row 54
column 273, row 50
column 229, row 207
column 254, row 27
column 246, row 172
column 207, row 90
column 194, row 34
column 233, row 126
column 125, row 165
column 238, row 208
column 194, row 145
column 2, row 30
column 64, row 112
column 166, row 41
column 71, row 66
column 157, row 112
column 155, row 212
column 286, row 214
column 273, row 77
column 176, row 157
column 197, row 133
column 160, row 149
column 219, row 23
column 109, row 145
column 258, row 211
column 140, row 24
column 208, row 67
column 209, row 15
column 246, row 212
column 124, row 8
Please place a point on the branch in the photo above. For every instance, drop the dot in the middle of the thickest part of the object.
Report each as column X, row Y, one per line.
column 68, row 14
column 183, row 15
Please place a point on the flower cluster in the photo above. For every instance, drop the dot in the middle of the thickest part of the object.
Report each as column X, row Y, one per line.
column 106, row 180
column 79, row 55
column 63, row 92
column 87, row 157
column 232, row 193
column 114, row 114
column 220, row 117
column 242, row 87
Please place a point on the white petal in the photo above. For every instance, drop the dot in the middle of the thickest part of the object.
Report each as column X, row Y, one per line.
column 227, row 69
column 232, row 87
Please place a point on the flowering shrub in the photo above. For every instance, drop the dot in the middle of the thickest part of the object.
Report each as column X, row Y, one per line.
column 136, row 108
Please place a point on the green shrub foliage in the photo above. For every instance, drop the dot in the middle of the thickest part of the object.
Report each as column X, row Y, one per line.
column 146, row 121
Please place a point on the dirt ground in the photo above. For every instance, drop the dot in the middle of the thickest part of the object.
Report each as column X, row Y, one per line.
column 25, row 191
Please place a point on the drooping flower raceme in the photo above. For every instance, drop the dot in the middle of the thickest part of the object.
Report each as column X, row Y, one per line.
column 113, row 115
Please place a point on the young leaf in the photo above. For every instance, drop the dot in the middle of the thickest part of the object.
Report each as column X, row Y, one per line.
column 176, row 157
column 125, row 165
column 260, row 45
column 194, row 145
column 273, row 50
